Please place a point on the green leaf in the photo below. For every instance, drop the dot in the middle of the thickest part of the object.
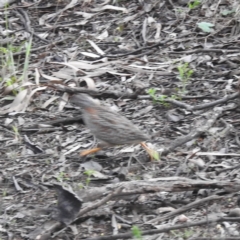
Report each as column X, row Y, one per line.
column 154, row 154
column 136, row 232
column 227, row 12
column 89, row 172
column 205, row 26
column 194, row 4
column 151, row 91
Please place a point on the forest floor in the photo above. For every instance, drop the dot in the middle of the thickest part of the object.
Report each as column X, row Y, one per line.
column 172, row 68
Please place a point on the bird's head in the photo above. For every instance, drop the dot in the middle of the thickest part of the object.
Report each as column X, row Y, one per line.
column 82, row 100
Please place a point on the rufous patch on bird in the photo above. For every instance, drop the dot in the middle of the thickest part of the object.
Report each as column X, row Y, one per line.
column 91, row 110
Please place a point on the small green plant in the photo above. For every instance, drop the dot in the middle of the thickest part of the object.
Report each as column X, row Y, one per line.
column 62, row 177
column 10, row 67
column 162, row 100
column 11, row 81
column 4, row 194
column 175, row 97
column 185, row 235
column 185, row 74
column 179, row 10
column 81, row 186
column 156, row 99
column 89, row 173
column 16, row 132
column 120, row 28
column 28, row 46
column 152, row 93
column 136, row 232
column 47, row 161
column 155, row 155
column 193, row 4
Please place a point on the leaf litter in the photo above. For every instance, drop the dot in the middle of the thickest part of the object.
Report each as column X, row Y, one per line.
column 113, row 49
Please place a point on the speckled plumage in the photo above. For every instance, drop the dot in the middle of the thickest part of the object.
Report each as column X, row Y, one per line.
column 109, row 127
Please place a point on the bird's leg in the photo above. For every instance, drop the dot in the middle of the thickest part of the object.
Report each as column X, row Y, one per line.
column 90, row 151
column 150, row 151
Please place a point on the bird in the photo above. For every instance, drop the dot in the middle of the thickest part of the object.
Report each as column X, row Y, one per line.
column 110, row 128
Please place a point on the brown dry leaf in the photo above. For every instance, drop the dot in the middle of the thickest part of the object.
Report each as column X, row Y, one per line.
column 53, row 15
column 17, row 104
column 90, row 82
column 29, row 96
column 90, row 66
column 67, row 64
column 85, row 15
column 21, row 101
column 119, row 74
column 110, row 7
column 199, row 162
column 158, row 32
column 49, row 101
column 130, row 18
column 103, row 35
column 10, row 88
column 148, row 67
column 63, row 102
column 37, row 76
column 94, row 45
column 88, row 54
column 100, row 69
column 144, row 30
column 64, row 73
column 162, row 210
column 50, row 77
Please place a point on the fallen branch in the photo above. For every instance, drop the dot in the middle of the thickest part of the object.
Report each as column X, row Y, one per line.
column 185, row 208
column 94, row 93
column 195, row 133
column 157, row 185
column 169, row 228
column 205, row 105
column 57, row 122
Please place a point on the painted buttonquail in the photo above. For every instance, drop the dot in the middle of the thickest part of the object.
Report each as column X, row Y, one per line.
column 110, row 128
